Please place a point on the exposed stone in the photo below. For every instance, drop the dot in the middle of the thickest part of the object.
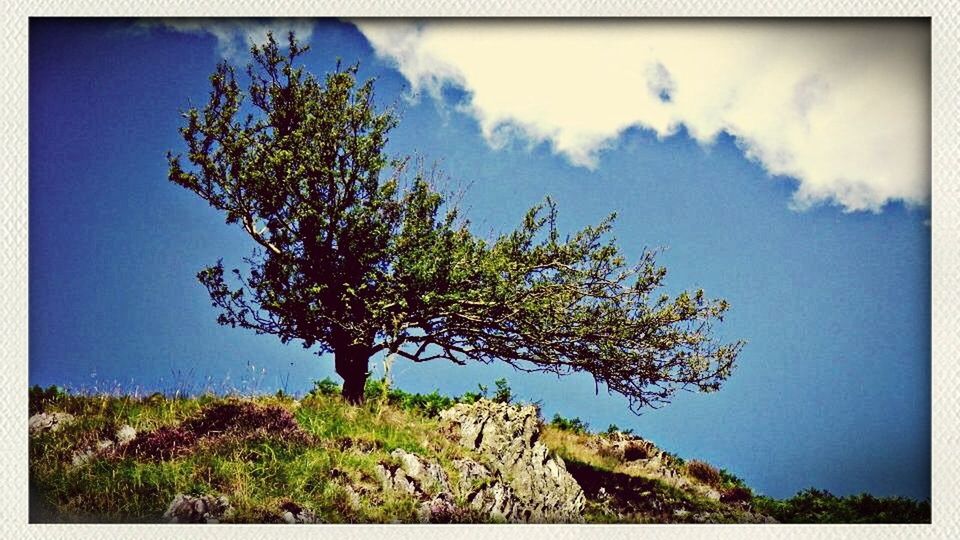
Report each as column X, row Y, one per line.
column 641, row 457
column 198, row 509
column 506, row 436
column 125, row 434
column 415, row 475
column 41, row 422
column 486, row 494
column 294, row 513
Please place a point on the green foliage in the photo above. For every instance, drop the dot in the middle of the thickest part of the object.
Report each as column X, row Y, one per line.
column 39, row 397
column 820, row 506
column 574, row 425
column 613, row 428
column 429, row 405
column 473, row 397
column 325, row 387
column 729, row 479
column 356, row 255
column 503, row 393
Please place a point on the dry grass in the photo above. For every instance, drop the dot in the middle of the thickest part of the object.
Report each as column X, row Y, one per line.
column 704, row 472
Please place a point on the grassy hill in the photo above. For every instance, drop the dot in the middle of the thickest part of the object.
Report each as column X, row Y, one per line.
column 124, row 459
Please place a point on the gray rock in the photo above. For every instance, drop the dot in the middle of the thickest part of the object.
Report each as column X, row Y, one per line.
column 415, row 475
column 41, row 422
column 125, row 434
column 506, row 437
column 486, row 493
column 198, row 509
column 294, row 513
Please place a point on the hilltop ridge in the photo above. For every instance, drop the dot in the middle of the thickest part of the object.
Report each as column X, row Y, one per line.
column 400, row 457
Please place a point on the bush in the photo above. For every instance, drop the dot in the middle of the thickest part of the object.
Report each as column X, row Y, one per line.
column 473, row 397
column 821, row 506
column 574, row 425
column 704, row 472
column 326, row 387
column 613, row 428
column 731, row 480
column 503, row 393
column 736, row 494
column 39, row 397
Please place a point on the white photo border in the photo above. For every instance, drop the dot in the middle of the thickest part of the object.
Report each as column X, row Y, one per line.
column 945, row 231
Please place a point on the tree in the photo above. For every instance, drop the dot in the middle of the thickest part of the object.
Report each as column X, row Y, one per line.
column 356, row 255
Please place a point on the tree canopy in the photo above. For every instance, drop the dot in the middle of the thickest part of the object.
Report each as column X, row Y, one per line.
column 357, row 253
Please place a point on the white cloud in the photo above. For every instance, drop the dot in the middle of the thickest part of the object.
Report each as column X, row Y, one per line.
column 234, row 36
column 843, row 107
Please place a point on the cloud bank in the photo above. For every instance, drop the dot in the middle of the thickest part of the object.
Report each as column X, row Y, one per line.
column 234, row 36
column 842, row 107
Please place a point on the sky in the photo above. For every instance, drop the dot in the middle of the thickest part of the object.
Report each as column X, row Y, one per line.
column 783, row 166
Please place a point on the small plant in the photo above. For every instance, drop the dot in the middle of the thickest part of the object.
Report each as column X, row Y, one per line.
column 39, row 397
column 675, row 459
column 613, row 428
column 326, row 387
column 736, row 495
column 704, row 472
column 473, row 397
column 820, row 506
column 503, row 393
column 730, row 479
column 574, row 425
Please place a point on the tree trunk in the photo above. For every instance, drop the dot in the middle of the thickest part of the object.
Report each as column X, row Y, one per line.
column 351, row 362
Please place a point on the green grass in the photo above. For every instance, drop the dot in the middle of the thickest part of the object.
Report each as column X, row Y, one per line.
column 258, row 475
column 329, row 465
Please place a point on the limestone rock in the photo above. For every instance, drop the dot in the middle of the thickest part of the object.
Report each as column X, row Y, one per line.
column 291, row 512
column 197, row 509
column 125, row 434
column 506, row 436
column 41, row 422
column 486, row 494
column 415, row 475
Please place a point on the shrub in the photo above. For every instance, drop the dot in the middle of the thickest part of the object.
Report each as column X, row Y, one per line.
column 326, row 387
column 730, row 479
column 703, row 472
column 503, row 393
column 736, row 494
column 821, row 506
column 39, row 397
column 473, row 397
column 574, row 425
column 613, row 428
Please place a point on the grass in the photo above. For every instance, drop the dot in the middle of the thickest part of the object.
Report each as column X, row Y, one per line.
column 259, row 473
column 318, row 453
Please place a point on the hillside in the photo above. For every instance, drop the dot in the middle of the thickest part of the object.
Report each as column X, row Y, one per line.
column 399, row 458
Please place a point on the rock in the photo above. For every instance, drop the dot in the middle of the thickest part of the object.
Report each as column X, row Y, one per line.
column 125, row 434
column 198, row 509
column 82, row 457
column 41, row 422
column 293, row 513
column 486, row 494
column 415, row 476
column 506, row 436
column 352, row 497
column 85, row 455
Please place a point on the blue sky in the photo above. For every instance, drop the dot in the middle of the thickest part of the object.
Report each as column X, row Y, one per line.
column 825, row 261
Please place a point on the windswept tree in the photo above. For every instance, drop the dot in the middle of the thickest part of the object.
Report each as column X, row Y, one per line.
column 356, row 255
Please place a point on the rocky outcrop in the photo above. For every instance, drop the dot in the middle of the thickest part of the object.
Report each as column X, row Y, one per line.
column 505, row 436
column 122, row 435
column 42, row 422
column 198, row 509
column 641, row 457
column 487, row 494
column 414, row 475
